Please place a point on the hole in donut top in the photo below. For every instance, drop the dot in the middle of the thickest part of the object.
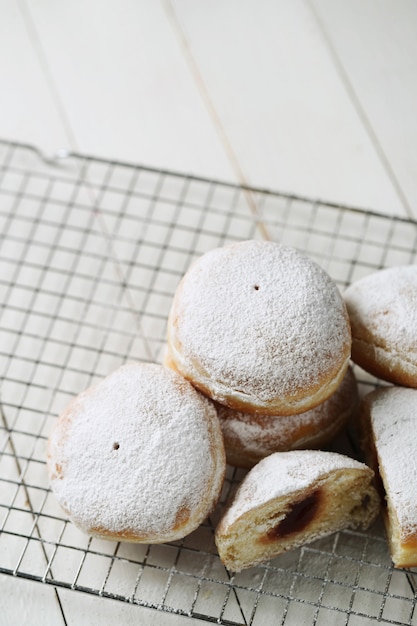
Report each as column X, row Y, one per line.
column 116, row 446
column 256, row 287
column 299, row 516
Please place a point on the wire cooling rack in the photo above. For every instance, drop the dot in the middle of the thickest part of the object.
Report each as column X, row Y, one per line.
column 91, row 253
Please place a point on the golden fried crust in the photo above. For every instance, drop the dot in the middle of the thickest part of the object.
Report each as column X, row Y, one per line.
column 381, row 361
column 248, row 438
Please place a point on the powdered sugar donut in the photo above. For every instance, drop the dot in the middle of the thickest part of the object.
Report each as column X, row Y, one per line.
column 249, row 438
column 138, row 457
column 292, row 498
column 383, row 314
column 389, row 424
column 261, row 328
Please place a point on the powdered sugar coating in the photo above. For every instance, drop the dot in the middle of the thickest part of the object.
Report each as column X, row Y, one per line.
column 140, row 455
column 383, row 312
column 281, row 474
column 248, row 438
column 258, row 320
column 393, row 418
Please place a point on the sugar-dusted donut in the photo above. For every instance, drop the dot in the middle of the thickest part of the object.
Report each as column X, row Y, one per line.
column 383, row 313
column 249, row 438
column 138, row 457
column 388, row 419
column 292, row 498
column 261, row 328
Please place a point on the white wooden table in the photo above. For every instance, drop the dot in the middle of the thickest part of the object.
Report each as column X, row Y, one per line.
column 315, row 97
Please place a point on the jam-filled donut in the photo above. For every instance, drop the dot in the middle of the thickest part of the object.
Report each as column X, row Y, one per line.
column 292, row 498
column 138, row 457
column 383, row 314
column 249, row 438
column 261, row 328
column 389, row 424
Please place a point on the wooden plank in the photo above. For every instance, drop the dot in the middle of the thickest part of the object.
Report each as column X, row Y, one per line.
column 28, row 110
column 281, row 102
column 25, row 603
column 79, row 609
column 375, row 44
column 127, row 89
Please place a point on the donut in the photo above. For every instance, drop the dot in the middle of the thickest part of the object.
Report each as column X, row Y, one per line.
column 388, row 419
column 138, row 457
column 383, row 314
column 249, row 438
column 261, row 328
column 293, row 498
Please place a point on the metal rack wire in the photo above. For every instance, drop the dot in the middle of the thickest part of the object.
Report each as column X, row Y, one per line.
column 91, row 252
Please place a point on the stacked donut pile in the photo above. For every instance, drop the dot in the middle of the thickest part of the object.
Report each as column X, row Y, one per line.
column 256, row 372
column 263, row 331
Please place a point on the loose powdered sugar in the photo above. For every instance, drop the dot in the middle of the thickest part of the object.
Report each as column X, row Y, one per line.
column 393, row 415
column 261, row 318
column 134, row 451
